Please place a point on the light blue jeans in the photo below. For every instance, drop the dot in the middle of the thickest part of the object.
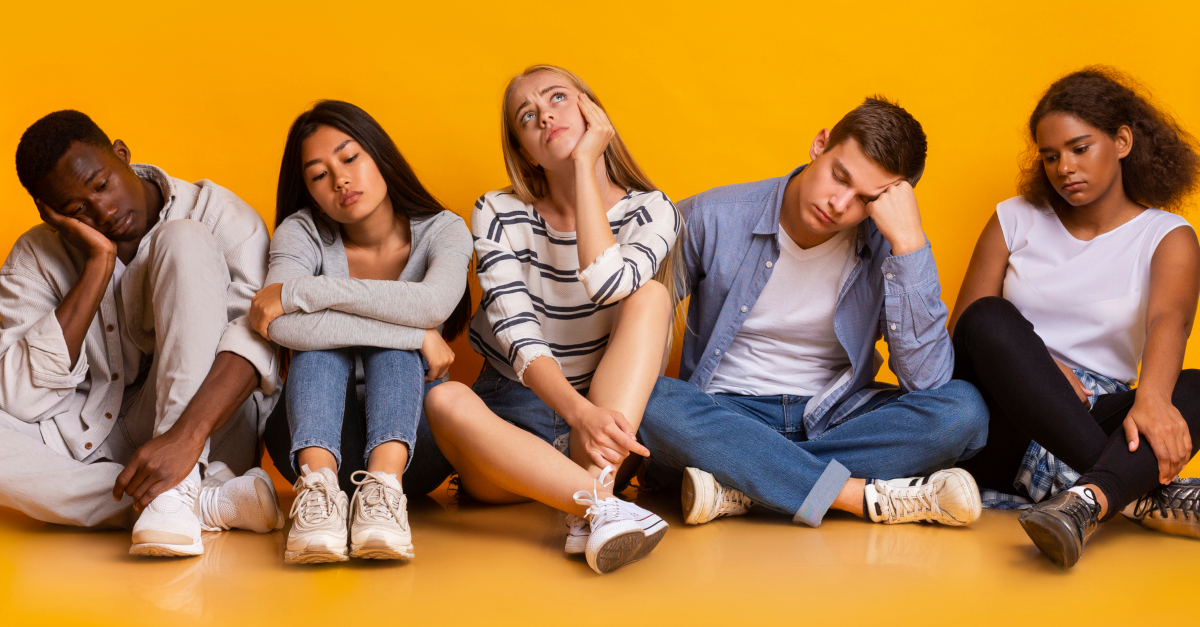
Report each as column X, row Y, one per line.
column 316, row 397
column 757, row 444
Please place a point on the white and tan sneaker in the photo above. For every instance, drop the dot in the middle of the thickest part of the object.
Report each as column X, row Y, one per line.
column 318, row 532
column 168, row 527
column 246, row 502
column 705, row 499
column 620, row 532
column 949, row 497
column 379, row 518
column 578, row 531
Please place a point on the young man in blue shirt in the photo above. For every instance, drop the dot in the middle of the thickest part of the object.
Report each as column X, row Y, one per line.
column 792, row 281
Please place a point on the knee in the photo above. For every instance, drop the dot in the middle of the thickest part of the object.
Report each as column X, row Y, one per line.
column 964, row 417
column 986, row 317
column 183, row 237
column 441, row 402
column 663, row 418
column 651, row 295
column 1186, row 397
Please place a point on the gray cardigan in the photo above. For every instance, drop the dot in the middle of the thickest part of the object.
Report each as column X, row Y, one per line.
column 324, row 308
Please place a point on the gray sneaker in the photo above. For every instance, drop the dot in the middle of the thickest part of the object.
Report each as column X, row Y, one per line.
column 1060, row 526
column 1173, row 508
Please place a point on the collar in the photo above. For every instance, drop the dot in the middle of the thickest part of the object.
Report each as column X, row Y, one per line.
column 166, row 185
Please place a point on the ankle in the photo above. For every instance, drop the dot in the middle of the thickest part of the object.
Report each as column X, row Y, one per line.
column 850, row 499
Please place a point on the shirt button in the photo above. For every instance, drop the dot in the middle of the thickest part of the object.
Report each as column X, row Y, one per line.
column 111, row 327
column 88, row 446
column 744, row 309
column 893, row 326
column 108, row 415
column 889, row 276
column 115, row 376
column 769, row 264
column 717, row 352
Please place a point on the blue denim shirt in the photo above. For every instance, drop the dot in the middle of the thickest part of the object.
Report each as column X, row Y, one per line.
column 728, row 252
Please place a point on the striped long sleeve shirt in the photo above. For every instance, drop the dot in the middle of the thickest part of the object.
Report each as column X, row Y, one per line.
column 537, row 301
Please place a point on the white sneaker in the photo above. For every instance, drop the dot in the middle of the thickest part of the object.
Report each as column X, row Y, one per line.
column 704, row 499
column 578, row 532
column 949, row 497
column 379, row 518
column 169, row 527
column 318, row 532
column 621, row 532
column 246, row 502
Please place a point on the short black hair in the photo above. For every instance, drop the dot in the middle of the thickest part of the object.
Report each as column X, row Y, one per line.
column 889, row 135
column 48, row 139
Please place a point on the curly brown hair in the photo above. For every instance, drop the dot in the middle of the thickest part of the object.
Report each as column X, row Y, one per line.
column 1161, row 170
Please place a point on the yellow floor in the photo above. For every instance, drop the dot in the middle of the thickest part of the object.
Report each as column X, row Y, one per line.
column 499, row 565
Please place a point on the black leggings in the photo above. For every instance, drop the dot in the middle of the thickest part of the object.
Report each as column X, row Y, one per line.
column 997, row 350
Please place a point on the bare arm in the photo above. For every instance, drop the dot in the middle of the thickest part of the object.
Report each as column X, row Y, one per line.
column 1174, row 290
column 985, row 274
column 79, row 306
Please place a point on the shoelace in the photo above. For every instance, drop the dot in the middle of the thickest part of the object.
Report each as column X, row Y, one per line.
column 734, row 499
column 210, row 512
column 1163, row 500
column 912, row 501
column 599, row 511
column 185, row 491
column 1079, row 512
column 374, row 495
column 314, row 499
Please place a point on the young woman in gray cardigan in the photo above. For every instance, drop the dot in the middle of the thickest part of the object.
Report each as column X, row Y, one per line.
column 367, row 265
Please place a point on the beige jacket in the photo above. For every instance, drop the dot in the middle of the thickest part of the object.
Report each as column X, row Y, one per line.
column 74, row 404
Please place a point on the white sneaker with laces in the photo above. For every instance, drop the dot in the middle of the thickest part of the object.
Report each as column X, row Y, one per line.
column 318, row 532
column 168, row 527
column 621, row 532
column 577, row 535
column 705, row 499
column 949, row 497
column 246, row 502
column 379, row 518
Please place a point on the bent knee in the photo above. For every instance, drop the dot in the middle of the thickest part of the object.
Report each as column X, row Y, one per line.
column 441, row 401
column 650, row 294
column 984, row 315
column 965, row 416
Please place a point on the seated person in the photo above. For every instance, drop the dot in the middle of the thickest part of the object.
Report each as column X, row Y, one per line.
column 1081, row 287
column 127, row 362
column 792, row 280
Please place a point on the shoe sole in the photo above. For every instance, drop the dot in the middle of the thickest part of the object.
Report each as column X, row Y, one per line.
column 313, row 557
column 167, row 550
column 619, row 550
column 649, row 543
column 382, row 552
column 687, row 496
column 578, row 547
column 1051, row 537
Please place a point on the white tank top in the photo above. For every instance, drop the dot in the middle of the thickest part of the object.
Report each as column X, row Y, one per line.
column 1086, row 300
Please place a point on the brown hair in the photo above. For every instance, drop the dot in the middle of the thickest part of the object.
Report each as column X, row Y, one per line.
column 888, row 134
column 1162, row 167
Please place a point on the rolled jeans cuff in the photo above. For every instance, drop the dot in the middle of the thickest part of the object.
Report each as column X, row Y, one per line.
column 407, row 440
column 822, row 495
column 303, row 444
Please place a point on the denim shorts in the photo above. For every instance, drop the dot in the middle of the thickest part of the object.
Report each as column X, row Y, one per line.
column 520, row 406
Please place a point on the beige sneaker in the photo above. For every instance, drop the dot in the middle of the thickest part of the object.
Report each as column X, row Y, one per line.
column 704, row 499
column 318, row 532
column 168, row 527
column 379, row 518
column 949, row 497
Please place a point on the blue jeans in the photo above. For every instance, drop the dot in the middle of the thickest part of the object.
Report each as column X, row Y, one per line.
column 520, row 406
column 757, row 444
column 316, row 398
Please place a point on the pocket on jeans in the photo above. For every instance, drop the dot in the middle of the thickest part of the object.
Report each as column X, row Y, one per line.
column 490, row 383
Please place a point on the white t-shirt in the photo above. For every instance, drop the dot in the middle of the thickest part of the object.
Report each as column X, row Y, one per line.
column 1086, row 299
column 787, row 344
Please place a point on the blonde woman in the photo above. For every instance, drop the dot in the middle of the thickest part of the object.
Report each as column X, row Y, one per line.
column 572, row 323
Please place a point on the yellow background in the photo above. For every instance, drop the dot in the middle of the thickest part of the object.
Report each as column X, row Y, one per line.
column 705, row 94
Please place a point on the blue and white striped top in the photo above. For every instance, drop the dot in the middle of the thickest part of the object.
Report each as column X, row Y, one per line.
column 537, row 302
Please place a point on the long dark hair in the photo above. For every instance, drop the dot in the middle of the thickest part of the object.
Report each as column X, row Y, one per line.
column 1161, row 170
column 409, row 197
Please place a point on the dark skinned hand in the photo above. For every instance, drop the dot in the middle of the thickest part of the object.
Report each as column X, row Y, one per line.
column 157, row 466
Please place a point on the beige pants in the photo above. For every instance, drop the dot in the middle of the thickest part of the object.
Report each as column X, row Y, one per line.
column 182, row 284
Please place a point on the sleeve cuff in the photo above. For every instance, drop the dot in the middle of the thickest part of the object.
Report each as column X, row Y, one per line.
column 287, row 297
column 908, row 273
column 597, row 275
column 243, row 341
column 49, row 359
column 527, row 356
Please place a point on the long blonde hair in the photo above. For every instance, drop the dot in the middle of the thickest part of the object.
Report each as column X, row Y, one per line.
column 530, row 185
